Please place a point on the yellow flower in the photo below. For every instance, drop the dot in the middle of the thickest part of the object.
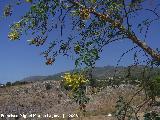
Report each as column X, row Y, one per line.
column 84, row 13
column 14, row 35
column 17, row 25
column 74, row 80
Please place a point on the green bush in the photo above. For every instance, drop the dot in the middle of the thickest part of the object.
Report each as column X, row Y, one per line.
column 151, row 116
column 19, row 83
column 153, row 87
column 8, row 84
column 48, row 86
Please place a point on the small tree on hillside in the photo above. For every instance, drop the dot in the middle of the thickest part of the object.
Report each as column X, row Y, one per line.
column 8, row 84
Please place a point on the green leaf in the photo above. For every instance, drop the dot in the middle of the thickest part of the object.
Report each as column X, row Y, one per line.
column 89, row 43
column 93, row 1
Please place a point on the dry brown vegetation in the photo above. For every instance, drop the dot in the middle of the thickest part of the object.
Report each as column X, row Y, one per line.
column 35, row 98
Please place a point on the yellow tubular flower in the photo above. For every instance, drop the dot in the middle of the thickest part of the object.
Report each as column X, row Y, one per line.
column 74, row 80
column 84, row 14
column 14, row 35
column 17, row 25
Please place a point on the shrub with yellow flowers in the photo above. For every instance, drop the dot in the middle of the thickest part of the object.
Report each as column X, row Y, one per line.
column 74, row 80
column 77, row 82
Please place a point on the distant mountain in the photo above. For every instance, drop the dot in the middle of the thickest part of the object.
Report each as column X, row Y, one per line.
column 98, row 73
column 33, row 78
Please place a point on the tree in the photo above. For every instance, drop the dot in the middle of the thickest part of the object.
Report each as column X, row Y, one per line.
column 99, row 24
column 8, row 84
column 94, row 25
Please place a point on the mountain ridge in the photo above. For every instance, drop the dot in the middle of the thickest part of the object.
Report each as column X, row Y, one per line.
column 98, row 73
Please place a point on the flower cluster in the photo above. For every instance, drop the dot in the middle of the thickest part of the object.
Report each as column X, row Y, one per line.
column 17, row 25
column 14, row 35
column 74, row 80
column 36, row 41
column 84, row 13
column 49, row 61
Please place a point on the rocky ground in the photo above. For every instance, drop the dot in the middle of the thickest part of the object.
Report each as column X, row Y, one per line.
column 44, row 100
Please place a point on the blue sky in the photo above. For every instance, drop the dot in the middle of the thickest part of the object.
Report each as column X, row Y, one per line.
column 19, row 60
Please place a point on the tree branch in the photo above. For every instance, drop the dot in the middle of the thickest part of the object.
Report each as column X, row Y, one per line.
column 129, row 34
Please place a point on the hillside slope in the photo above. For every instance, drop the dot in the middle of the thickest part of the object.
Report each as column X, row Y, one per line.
column 99, row 73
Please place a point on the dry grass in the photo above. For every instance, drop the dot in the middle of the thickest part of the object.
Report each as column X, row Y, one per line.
column 44, row 101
